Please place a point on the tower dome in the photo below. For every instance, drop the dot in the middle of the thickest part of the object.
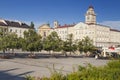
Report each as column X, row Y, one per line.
column 90, row 17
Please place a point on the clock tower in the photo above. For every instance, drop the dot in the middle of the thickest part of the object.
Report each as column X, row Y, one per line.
column 90, row 17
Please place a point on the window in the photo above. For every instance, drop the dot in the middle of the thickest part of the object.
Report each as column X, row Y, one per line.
column 16, row 31
column 76, row 32
column 45, row 34
column 88, row 12
column 10, row 30
column 88, row 18
column 20, row 31
column 5, row 30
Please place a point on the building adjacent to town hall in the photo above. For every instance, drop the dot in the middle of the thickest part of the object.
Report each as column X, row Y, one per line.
column 14, row 27
column 102, row 36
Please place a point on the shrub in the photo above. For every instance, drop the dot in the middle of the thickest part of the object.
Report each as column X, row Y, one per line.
column 114, row 64
column 28, row 77
column 109, row 72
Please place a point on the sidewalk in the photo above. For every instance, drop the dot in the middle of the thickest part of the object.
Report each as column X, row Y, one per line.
column 18, row 68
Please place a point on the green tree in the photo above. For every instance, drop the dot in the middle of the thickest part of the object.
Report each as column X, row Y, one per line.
column 32, row 41
column 4, row 40
column 52, row 42
column 13, row 42
column 80, row 46
column 86, row 45
column 20, row 42
column 69, row 45
column 32, row 25
column 8, row 40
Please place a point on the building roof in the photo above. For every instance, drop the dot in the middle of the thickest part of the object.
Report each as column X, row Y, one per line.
column 66, row 26
column 115, row 30
column 2, row 24
column 45, row 26
column 13, row 24
column 103, row 25
column 91, row 7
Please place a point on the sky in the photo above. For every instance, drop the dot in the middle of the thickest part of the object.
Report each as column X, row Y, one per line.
column 64, row 11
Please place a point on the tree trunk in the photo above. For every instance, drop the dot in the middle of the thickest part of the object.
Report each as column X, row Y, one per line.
column 64, row 52
column 31, row 55
column 3, row 52
column 70, row 53
column 52, row 53
column 12, row 51
column 49, row 52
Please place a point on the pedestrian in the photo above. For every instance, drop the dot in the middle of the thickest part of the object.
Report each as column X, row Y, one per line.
column 96, row 56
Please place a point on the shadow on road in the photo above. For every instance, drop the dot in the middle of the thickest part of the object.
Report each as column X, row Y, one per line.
column 5, row 75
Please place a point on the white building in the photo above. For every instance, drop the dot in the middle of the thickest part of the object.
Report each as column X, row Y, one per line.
column 14, row 27
column 102, row 36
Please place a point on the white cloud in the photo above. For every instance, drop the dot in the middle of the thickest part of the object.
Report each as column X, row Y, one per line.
column 112, row 24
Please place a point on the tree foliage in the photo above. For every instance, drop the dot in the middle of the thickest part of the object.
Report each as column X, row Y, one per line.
column 34, row 42
column 4, row 39
column 52, row 42
column 69, row 45
column 86, row 45
column 8, row 40
column 31, row 41
column 32, row 25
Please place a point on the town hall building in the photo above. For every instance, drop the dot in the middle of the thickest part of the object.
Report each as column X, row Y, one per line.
column 102, row 36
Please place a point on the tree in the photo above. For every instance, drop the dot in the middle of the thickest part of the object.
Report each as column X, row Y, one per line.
column 32, row 25
column 4, row 43
column 80, row 46
column 8, row 40
column 31, row 41
column 13, row 42
column 69, row 45
column 4, row 40
column 20, row 43
column 52, row 42
column 86, row 45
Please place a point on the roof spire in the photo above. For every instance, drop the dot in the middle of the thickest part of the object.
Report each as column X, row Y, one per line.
column 91, row 7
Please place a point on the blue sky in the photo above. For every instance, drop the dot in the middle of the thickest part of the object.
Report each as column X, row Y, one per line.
column 64, row 11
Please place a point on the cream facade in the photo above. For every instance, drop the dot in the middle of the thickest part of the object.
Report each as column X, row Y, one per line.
column 114, row 37
column 102, row 36
column 44, row 30
column 64, row 31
